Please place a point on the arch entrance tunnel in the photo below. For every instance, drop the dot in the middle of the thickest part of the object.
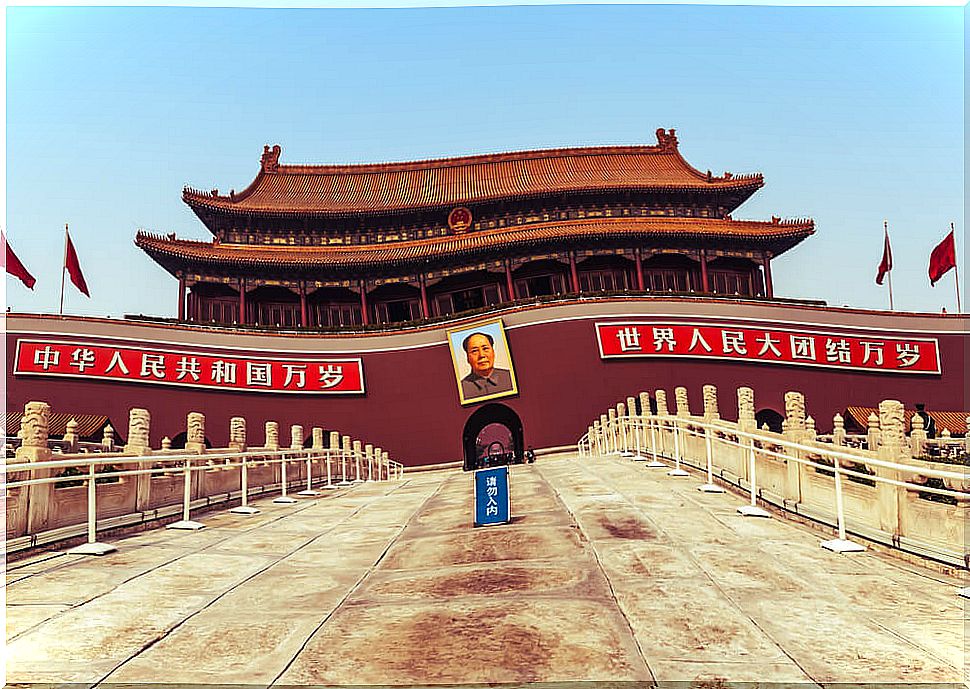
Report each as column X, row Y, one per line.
column 492, row 437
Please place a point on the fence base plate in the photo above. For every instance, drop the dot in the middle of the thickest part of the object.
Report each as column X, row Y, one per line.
column 965, row 592
column 753, row 511
column 244, row 509
column 678, row 472
column 186, row 525
column 656, row 465
column 92, row 549
column 710, row 488
column 344, row 484
column 284, row 500
column 309, row 493
column 840, row 545
column 330, row 486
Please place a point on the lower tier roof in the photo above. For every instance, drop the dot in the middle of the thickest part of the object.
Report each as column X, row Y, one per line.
column 775, row 236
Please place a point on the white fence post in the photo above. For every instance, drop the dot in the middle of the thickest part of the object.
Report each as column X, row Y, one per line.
column 186, row 523
column 285, row 499
column 840, row 544
column 677, row 471
column 752, row 510
column 92, row 547
column 710, row 486
column 654, row 463
column 244, row 507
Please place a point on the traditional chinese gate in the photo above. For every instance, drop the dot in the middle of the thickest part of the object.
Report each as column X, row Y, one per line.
column 492, row 423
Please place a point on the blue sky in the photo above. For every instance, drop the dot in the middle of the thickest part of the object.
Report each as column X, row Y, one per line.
column 854, row 115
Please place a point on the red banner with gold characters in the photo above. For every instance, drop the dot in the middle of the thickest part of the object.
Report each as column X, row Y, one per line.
column 280, row 373
column 870, row 352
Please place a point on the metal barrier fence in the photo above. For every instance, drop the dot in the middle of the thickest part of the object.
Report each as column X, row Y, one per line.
column 891, row 501
column 22, row 479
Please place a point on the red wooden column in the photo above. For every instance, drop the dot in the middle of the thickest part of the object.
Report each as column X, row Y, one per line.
column 242, row 301
column 365, row 319
column 573, row 273
column 639, row 259
column 303, row 320
column 181, row 309
column 705, row 281
column 508, row 280
column 425, row 311
column 769, row 290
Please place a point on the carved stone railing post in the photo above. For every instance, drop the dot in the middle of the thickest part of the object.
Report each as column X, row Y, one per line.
column 166, row 443
column 811, row 435
column 237, row 434
column 345, row 457
column 35, row 427
column 334, row 446
column 794, row 429
column 746, row 420
column 621, row 427
column 358, row 451
column 917, row 437
column 838, row 430
column 611, row 433
column 317, row 434
column 661, row 397
column 966, row 436
column 645, row 409
column 195, row 433
column 272, row 435
column 369, row 455
column 296, row 437
column 873, row 436
column 70, row 435
column 139, row 427
column 680, row 397
column 711, row 412
column 378, row 455
column 893, row 448
column 387, row 463
column 108, row 439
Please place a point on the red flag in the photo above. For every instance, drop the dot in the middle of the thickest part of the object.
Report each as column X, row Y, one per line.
column 887, row 260
column 16, row 268
column 943, row 258
column 74, row 267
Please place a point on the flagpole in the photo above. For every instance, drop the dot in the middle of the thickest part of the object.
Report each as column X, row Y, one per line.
column 956, row 272
column 885, row 226
column 63, row 268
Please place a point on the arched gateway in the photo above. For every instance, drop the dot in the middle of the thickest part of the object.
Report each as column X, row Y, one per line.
column 492, row 436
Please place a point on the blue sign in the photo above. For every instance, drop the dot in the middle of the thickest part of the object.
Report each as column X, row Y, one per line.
column 492, row 502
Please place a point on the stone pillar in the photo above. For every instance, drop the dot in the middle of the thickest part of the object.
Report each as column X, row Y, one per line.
column 296, row 437
column 195, row 433
column 317, row 433
column 811, row 435
column 595, row 438
column 746, row 420
column 966, row 436
column 272, row 435
column 166, row 443
column 711, row 412
column 794, row 430
column 621, row 429
column 611, row 430
column 344, row 456
column 893, row 448
column 70, row 435
column 379, row 465
column 237, row 434
column 334, row 446
column 645, row 409
column 631, row 406
column 35, row 427
column 661, row 397
column 387, row 463
column 369, row 455
column 680, row 395
column 358, row 450
column 838, row 430
column 139, row 425
column 108, row 439
column 872, row 437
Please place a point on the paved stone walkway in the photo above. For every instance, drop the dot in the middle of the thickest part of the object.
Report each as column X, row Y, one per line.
column 609, row 572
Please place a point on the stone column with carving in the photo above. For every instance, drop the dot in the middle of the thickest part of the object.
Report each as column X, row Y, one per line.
column 711, row 412
column 35, row 427
column 195, row 433
column 680, row 396
column 873, row 435
column 746, row 420
column 237, row 434
column 379, row 462
column 272, row 435
column 345, row 457
column 387, row 463
column 793, row 428
column 838, row 430
column 611, row 434
column 139, row 427
column 621, row 426
column 893, row 447
column 661, row 397
column 333, row 457
column 108, row 439
column 358, row 452
column 70, row 435
column 811, row 435
column 317, row 434
column 296, row 437
column 166, row 443
column 369, row 456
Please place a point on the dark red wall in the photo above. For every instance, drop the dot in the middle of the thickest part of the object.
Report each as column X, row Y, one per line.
column 411, row 406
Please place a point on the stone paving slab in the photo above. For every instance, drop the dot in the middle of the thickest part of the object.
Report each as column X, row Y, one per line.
column 609, row 572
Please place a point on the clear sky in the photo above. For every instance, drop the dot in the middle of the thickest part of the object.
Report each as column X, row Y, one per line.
column 854, row 115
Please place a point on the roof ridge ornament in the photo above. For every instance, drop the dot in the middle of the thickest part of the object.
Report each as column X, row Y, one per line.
column 667, row 139
column 270, row 162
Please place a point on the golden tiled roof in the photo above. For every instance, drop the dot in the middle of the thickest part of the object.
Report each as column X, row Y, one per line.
column 384, row 253
column 374, row 188
column 88, row 425
column 954, row 421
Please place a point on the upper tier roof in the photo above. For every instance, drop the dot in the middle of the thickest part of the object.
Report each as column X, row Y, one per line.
column 388, row 187
column 776, row 236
